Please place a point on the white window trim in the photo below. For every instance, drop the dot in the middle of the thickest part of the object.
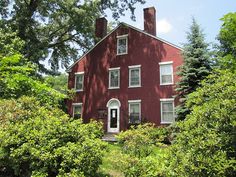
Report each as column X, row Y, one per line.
column 135, row 101
column 172, row 75
column 109, row 82
column 79, row 73
column 77, row 104
column 162, row 100
column 165, row 62
column 134, row 67
column 122, row 37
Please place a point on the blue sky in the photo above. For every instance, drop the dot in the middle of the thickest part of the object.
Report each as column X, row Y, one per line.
column 174, row 17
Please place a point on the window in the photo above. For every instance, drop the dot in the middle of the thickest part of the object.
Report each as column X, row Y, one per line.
column 79, row 80
column 77, row 110
column 167, row 110
column 114, row 78
column 134, row 111
column 122, row 44
column 134, row 76
column 166, row 73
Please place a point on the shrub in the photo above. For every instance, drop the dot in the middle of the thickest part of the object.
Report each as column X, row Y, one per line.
column 150, row 166
column 140, row 154
column 206, row 142
column 43, row 141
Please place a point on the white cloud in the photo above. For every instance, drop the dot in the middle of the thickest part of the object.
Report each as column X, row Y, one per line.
column 163, row 26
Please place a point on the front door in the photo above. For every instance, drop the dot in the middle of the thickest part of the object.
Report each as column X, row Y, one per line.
column 113, row 120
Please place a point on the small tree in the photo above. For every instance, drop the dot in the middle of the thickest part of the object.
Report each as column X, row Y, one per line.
column 195, row 68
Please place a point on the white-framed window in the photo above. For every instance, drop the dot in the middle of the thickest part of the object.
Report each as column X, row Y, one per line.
column 122, row 44
column 134, row 111
column 135, row 76
column 167, row 110
column 77, row 110
column 114, row 78
column 166, row 73
column 79, row 81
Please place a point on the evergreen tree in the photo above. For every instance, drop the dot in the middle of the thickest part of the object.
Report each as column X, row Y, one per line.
column 196, row 67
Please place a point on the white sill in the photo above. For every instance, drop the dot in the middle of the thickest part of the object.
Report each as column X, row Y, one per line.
column 113, row 88
column 166, row 122
column 167, row 84
column 122, row 53
column 134, row 86
column 79, row 90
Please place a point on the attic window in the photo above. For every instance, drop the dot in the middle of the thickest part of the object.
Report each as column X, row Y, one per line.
column 122, row 44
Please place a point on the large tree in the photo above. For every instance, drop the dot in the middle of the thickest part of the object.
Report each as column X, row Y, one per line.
column 58, row 29
column 196, row 67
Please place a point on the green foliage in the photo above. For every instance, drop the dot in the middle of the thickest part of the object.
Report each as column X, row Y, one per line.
column 10, row 44
column 139, row 141
column 227, row 38
column 206, row 142
column 58, row 83
column 196, row 66
column 16, row 79
column 140, row 154
column 57, row 29
column 150, row 166
column 18, row 76
column 43, row 141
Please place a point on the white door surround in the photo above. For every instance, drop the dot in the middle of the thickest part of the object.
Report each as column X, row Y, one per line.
column 113, row 119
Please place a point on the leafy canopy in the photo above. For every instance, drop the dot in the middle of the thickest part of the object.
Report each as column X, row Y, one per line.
column 18, row 75
column 57, row 29
column 227, row 38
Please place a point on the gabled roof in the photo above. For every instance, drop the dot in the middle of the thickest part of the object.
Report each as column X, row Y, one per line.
column 132, row 27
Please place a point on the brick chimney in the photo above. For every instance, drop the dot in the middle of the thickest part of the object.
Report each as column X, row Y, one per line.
column 100, row 28
column 150, row 20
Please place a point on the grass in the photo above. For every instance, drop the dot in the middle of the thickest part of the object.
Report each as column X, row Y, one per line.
column 108, row 167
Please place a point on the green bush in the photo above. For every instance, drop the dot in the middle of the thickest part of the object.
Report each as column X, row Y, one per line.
column 206, row 141
column 140, row 140
column 43, row 141
column 150, row 166
column 140, row 154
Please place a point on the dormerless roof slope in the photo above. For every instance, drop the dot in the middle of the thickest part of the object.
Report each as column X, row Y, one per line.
column 141, row 31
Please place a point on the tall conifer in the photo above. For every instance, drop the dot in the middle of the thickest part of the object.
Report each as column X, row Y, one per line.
column 196, row 66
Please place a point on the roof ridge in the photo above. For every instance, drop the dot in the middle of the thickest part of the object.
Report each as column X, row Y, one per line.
column 135, row 28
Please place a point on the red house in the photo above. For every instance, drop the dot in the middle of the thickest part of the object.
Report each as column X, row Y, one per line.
column 128, row 77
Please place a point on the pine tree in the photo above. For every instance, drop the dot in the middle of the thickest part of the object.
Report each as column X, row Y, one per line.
column 196, row 67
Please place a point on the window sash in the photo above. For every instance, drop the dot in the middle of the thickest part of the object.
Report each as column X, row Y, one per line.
column 134, row 77
column 79, row 79
column 77, row 111
column 122, row 45
column 166, row 73
column 167, row 112
column 114, row 77
column 135, row 113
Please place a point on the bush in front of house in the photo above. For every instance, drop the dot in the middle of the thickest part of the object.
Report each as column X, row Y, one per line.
column 141, row 154
column 43, row 141
column 205, row 144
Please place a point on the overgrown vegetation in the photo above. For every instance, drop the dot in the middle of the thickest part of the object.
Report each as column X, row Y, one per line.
column 206, row 142
column 43, row 141
column 142, row 153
